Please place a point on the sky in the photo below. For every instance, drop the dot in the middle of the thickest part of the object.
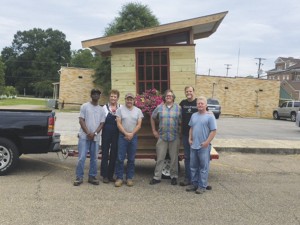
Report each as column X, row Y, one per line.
column 253, row 29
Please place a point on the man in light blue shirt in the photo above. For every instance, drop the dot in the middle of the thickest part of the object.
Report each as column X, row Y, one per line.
column 203, row 129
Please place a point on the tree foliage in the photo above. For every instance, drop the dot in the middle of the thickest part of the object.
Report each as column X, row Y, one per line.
column 133, row 16
column 35, row 56
column 2, row 80
column 84, row 58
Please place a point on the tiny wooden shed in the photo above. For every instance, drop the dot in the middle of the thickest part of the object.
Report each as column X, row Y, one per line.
column 160, row 57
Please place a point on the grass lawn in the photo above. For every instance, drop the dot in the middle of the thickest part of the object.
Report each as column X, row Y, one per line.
column 22, row 101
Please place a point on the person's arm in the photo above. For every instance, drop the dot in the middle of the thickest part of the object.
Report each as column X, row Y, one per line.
column 154, row 131
column 191, row 136
column 120, row 126
column 211, row 136
column 137, row 127
column 99, row 128
column 90, row 135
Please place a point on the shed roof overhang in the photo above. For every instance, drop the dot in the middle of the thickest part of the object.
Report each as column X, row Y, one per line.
column 197, row 28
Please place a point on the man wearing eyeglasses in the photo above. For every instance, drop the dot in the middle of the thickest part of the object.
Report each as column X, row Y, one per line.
column 169, row 115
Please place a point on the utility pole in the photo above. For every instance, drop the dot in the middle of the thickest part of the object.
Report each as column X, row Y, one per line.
column 259, row 64
column 227, row 68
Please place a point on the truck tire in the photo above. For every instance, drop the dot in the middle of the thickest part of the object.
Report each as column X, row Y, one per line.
column 166, row 169
column 293, row 117
column 9, row 156
column 276, row 116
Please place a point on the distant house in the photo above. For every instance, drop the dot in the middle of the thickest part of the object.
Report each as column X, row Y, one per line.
column 287, row 70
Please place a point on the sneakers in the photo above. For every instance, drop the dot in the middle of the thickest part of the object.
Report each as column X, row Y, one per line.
column 174, row 181
column 105, row 180
column 154, row 181
column 191, row 188
column 129, row 183
column 78, row 181
column 209, row 188
column 93, row 180
column 184, row 183
column 200, row 190
column 118, row 183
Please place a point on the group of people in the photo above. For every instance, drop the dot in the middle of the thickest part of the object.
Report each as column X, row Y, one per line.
column 120, row 124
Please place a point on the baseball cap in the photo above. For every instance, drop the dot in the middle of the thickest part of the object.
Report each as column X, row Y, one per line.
column 93, row 91
column 129, row 95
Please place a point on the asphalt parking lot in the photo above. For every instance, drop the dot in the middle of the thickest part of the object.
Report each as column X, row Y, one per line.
column 247, row 189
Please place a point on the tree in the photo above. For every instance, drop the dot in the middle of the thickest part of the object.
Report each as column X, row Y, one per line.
column 84, row 58
column 35, row 56
column 2, row 80
column 133, row 16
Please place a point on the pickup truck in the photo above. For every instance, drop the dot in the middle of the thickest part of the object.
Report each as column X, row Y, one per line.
column 287, row 110
column 25, row 132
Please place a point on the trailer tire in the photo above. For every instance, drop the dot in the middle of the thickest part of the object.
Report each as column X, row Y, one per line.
column 166, row 172
column 9, row 156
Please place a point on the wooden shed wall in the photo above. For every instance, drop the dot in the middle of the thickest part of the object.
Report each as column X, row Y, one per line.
column 182, row 69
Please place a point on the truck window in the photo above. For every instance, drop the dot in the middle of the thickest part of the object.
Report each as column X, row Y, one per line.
column 290, row 104
column 283, row 104
column 297, row 104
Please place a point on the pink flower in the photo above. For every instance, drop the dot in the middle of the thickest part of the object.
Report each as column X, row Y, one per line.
column 148, row 101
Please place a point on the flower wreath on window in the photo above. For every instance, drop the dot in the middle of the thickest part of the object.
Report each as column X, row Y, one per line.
column 148, row 101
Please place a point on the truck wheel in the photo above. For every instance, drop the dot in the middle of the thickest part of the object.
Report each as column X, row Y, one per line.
column 276, row 116
column 9, row 156
column 166, row 172
column 293, row 117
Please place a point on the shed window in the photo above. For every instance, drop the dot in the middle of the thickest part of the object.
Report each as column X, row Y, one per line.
column 153, row 69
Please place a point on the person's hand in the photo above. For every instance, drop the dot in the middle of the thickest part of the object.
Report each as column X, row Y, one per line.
column 90, row 136
column 204, row 144
column 190, row 141
column 155, row 133
column 129, row 136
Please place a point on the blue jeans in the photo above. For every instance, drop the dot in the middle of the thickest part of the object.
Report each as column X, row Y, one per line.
column 128, row 148
column 200, row 159
column 187, row 152
column 85, row 146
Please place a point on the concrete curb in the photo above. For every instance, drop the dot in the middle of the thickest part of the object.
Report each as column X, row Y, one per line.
column 280, row 151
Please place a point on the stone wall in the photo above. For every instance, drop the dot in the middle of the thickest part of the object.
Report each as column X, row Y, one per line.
column 245, row 97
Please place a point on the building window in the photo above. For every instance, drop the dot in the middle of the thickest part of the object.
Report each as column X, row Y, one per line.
column 152, row 69
column 297, row 77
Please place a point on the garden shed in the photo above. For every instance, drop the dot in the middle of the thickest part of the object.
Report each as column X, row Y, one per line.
column 160, row 57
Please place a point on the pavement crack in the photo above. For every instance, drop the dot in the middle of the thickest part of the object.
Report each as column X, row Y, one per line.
column 39, row 186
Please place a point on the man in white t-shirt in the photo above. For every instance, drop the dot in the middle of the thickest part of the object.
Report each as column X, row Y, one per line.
column 91, row 120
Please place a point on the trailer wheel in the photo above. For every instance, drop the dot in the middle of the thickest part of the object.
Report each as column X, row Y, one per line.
column 166, row 173
column 9, row 156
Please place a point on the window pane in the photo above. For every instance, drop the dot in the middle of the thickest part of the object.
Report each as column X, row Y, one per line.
column 141, row 87
column 149, row 86
column 141, row 73
column 164, row 86
column 164, row 73
column 149, row 73
column 156, row 57
column 148, row 58
column 141, row 58
column 157, row 86
column 164, row 58
column 156, row 73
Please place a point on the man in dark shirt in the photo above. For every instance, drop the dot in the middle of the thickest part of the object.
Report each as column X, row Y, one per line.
column 188, row 107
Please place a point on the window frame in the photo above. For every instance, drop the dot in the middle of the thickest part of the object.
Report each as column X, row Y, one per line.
column 146, row 75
